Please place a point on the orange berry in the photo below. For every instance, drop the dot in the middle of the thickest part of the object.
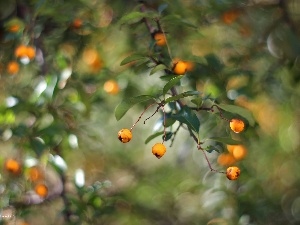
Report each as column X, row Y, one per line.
column 226, row 159
column 179, row 67
column 230, row 16
column 35, row 174
column 159, row 150
column 30, row 52
column 12, row 166
column 237, row 125
column 25, row 51
column 124, row 135
column 12, row 67
column 41, row 190
column 239, row 152
column 233, row 173
column 77, row 23
column 21, row 51
column 230, row 148
column 14, row 28
column 160, row 39
column 111, row 87
column 189, row 66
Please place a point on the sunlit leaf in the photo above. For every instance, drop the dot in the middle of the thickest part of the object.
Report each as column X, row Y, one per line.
column 174, row 81
column 157, row 68
column 131, row 58
column 182, row 95
column 127, row 103
column 151, row 137
column 134, row 17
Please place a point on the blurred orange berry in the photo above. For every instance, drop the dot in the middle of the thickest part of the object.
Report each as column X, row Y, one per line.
column 21, row 51
column 239, row 152
column 226, row 159
column 189, row 66
column 41, row 190
column 14, row 28
column 30, row 52
column 77, row 23
column 230, row 16
column 12, row 166
column 13, row 67
column 111, row 87
column 124, row 135
column 233, row 173
column 159, row 150
column 179, row 67
column 25, row 51
column 230, row 148
column 160, row 39
column 35, row 174
column 237, row 125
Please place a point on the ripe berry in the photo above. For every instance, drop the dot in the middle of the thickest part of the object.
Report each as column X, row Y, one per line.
column 41, row 190
column 12, row 166
column 35, row 174
column 159, row 150
column 237, row 125
column 233, row 173
column 12, row 67
column 179, row 67
column 160, row 39
column 124, row 135
column 226, row 159
column 111, row 87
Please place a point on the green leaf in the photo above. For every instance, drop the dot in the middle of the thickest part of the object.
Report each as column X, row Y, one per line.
column 171, row 84
column 226, row 140
column 182, row 95
column 162, row 7
column 158, row 68
column 134, row 17
column 126, row 104
column 131, row 58
column 151, row 137
column 188, row 117
column 245, row 113
column 176, row 19
column 197, row 101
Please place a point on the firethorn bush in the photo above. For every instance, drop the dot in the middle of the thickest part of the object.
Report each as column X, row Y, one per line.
column 93, row 93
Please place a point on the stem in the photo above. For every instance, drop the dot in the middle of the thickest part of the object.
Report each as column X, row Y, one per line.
column 142, row 115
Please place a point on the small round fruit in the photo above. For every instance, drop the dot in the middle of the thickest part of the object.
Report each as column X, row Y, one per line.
column 111, row 87
column 179, row 67
column 237, row 125
column 14, row 28
column 239, row 152
column 124, row 135
column 159, row 150
column 30, row 52
column 226, row 159
column 12, row 166
column 12, row 67
column 160, row 39
column 230, row 16
column 41, row 190
column 35, row 174
column 21, row 51
column 233, row 173
column 77, row 23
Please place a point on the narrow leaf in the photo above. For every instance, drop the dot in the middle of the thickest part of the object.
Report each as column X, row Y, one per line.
column 134, row 17
column 126, row 104
column 174, row 81
column 226, row 140
column 245, row 113
column 182, row 95
column 131, row 58
column 158, row 68
column 151, row 137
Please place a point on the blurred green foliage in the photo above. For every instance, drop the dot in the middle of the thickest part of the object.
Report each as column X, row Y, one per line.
column 56, row 113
